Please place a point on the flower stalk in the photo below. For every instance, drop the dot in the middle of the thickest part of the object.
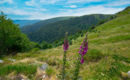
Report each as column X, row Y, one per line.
column 65, row 47
column 83, row 50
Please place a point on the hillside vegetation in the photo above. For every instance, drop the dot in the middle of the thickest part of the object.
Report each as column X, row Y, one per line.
column 11, row 38
column 34, row 27
column 124, row 12
column 54, row 31
column 107, row 58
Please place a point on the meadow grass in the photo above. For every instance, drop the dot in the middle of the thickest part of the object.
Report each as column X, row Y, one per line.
column 18, row 68
column 108, row 54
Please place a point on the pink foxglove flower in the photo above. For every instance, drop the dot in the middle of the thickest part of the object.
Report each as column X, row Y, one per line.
column 83, row 49
column 65, row 47
column 82, row 60
column 66, row 43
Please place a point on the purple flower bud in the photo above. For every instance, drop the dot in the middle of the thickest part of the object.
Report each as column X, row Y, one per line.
column 66, row 43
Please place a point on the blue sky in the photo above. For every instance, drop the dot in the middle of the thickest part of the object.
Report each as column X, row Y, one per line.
column 44, row 9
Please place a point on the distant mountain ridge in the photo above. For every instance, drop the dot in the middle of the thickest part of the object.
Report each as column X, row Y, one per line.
column 55, row 30
column 22, row 23
column 36, row 26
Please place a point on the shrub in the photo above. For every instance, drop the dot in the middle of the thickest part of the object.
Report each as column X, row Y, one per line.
column 11, row 38
column 34, row 50
column 53, row 61
column 50, row 71
column 45, row 45
column 93, row 55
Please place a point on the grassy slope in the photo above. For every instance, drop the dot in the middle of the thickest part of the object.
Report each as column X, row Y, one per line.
column 111, row 41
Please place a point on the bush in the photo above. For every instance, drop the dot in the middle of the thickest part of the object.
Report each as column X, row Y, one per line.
column 11, row 38
column 53, row 61
column 93, row 55
column 34, row 50
column 50, row 71
column 45, row 45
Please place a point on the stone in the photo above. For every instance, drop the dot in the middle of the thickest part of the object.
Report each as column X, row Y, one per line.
column 43, row 76
column 44, row 66
column 128, row 74
column 1, row 61
column 13, row 60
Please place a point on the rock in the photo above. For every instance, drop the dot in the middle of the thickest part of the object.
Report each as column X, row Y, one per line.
column 13, row 60
column 1, row 61
column 43, row 77
column 44, row 66
column 128, row 74
column 40, row 74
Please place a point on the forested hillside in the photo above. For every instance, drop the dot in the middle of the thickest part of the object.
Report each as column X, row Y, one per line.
column 56, row 30
column 34, row 27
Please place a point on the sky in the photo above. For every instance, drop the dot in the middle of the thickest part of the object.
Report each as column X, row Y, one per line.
column 45, row 9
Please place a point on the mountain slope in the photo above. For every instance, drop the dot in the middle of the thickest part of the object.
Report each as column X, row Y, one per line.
column 34, row 27
column 25, row 22
column 55, row 31
column 107, row 58
column 124, row 12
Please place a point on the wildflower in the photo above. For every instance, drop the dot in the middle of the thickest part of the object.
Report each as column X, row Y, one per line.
column 83, row 49
column 82, row 60
column 66, row 43
column 65, row 47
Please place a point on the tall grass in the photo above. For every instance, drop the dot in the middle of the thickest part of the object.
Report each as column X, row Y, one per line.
column 18, row 68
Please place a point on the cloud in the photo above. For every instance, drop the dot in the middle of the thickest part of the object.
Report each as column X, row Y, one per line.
column 118, row 3
column 90, row 10
column 39, row 12
column 18, row 12
column 62, row 12
column 14, row 11
column 35, row 14
column 78, row 12
column 72, row 6
column 36, row 3
column 30, row 3
column 82, row 1
column 48, row 1
column 6, row 1
column 36, row 9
